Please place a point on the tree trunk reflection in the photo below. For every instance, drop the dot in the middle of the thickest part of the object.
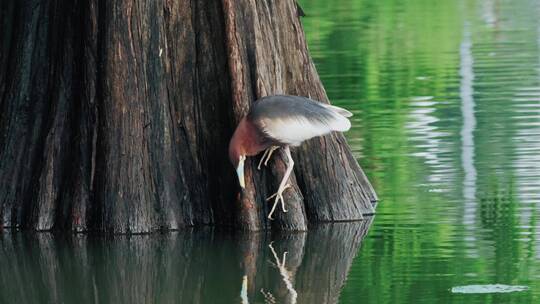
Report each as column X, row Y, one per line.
column 204, row 266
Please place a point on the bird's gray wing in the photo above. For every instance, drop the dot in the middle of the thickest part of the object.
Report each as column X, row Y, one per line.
column 293, row 119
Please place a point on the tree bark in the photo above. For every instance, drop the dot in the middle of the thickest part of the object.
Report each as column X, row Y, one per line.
column 116, row 116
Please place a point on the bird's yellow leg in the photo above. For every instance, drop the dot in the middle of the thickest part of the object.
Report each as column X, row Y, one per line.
column 283, row 185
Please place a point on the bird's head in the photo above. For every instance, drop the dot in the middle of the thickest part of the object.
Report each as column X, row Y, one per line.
column 237, row 156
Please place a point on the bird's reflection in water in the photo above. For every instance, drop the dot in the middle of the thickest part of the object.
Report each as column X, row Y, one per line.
column 243, row 293
column 285, row 274
column 304, row 267
column 198, row 266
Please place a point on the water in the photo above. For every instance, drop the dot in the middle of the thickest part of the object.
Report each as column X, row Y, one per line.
column 446, row 97
column 193, row 266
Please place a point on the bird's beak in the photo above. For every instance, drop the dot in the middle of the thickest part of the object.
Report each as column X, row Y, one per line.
column 240, row 172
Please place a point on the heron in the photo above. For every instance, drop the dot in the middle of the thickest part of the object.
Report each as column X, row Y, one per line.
column 282, row 121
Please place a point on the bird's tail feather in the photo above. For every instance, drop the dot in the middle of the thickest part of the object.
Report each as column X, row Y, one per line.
column 339, row 110
column 340, row 123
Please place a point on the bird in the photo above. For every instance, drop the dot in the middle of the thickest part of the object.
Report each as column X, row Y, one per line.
column 280, row 122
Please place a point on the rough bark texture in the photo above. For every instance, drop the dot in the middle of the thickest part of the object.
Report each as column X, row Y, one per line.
column 116, row 116
column 191, row 266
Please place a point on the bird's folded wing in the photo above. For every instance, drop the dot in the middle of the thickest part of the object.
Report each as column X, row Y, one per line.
column 300, row 119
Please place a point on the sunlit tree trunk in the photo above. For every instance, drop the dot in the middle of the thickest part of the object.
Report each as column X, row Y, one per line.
column 116, row 116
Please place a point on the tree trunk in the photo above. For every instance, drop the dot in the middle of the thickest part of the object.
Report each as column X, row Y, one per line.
column 116, row 116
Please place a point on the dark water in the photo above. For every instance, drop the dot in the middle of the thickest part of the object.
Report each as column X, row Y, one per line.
column 198, row 266
column 446, row 97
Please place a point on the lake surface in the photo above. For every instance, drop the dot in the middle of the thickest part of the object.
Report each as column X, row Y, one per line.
column 446, row 97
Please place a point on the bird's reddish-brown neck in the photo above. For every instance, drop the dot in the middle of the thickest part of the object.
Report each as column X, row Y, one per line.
column 246, row 140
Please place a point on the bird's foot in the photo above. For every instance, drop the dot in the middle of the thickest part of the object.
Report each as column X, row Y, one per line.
column 266, row 156
column 278, row 197
column 272, row 149
column 262, row 159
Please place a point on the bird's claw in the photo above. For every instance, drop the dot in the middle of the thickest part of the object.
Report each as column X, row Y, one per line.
column 278, row 197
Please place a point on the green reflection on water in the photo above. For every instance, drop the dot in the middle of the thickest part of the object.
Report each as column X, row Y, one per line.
column 446, row 96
